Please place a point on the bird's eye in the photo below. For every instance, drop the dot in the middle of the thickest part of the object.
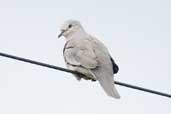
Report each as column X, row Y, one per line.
column 69, row 26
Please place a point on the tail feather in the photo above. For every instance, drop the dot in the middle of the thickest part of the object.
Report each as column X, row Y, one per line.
column 107, row 83
column 109, row 87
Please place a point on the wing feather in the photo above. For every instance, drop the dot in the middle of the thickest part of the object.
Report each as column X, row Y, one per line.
column 80, row 56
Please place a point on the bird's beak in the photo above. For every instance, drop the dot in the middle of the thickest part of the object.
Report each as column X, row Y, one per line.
column 61, row 33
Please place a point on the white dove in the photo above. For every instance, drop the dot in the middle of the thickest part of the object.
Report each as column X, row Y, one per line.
column 87, row 55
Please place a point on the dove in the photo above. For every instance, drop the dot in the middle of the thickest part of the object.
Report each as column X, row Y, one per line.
column 85, row 54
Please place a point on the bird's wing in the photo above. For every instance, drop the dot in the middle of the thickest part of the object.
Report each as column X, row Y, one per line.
column 80, row 55
column 92, row 55
column 104, row 72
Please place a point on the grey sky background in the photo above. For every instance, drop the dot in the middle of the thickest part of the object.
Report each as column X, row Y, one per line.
column 137, row 33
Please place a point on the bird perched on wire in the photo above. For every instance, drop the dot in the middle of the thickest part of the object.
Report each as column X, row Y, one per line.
column 87, row 55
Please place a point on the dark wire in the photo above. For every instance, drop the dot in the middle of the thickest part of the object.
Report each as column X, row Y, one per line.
column 74, row 72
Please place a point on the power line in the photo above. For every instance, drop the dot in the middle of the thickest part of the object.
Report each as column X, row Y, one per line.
column 74, row 72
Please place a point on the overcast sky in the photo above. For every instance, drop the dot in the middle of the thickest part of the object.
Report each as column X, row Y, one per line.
column 137, row 34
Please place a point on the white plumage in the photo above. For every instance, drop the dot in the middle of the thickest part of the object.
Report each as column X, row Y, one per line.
column 87, row 55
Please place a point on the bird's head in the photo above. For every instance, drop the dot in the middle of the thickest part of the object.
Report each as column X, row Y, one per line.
column 69, row 27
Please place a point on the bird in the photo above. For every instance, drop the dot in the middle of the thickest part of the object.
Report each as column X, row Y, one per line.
column 87, row 55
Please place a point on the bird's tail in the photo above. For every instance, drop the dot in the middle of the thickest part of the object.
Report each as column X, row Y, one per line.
column 109, row 88
column 107, row 84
